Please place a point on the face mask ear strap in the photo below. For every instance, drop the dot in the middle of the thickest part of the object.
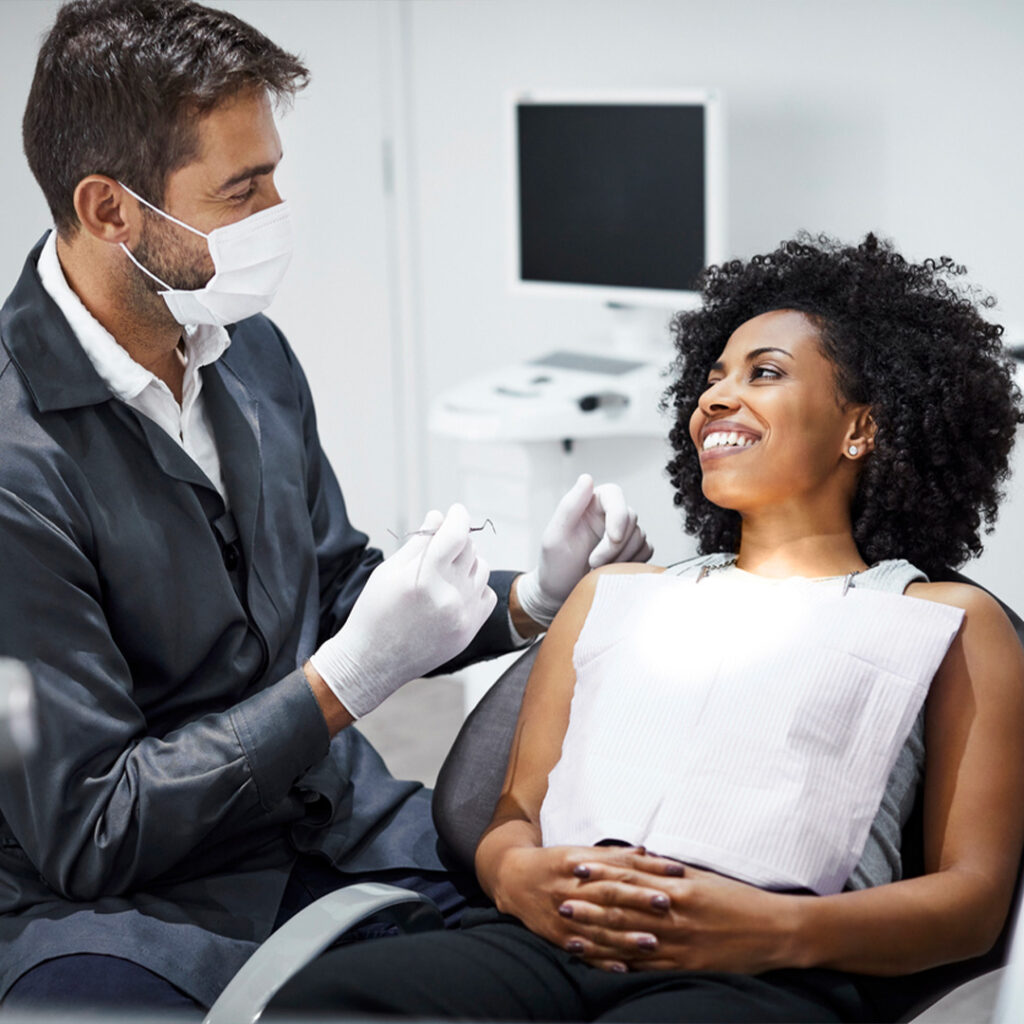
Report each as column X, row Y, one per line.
column 156, row 209
column 148, row 273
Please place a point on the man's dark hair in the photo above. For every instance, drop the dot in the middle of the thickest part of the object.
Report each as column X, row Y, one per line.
column 120, row 84
column 908, row 339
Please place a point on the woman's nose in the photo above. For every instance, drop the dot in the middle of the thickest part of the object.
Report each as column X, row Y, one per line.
column 718, row 396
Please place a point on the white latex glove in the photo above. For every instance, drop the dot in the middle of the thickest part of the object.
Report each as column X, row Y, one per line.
column 419, row 608
column 591, row 526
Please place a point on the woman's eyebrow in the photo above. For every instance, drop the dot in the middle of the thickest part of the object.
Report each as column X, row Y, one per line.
column 718, row 366
column 767, row 348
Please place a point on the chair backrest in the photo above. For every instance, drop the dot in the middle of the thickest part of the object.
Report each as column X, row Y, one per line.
column 469, row 784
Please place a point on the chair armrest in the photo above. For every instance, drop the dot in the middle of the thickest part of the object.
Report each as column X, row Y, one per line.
column 302, row 938
column 973, row 1000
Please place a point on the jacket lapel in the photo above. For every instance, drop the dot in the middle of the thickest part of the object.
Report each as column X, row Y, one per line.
column 169, row 456
column 234, row 415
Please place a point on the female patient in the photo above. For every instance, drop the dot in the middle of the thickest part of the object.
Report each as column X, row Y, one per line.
column 757, row 718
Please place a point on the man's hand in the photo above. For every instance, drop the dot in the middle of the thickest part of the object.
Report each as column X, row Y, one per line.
column 419, row 608
column 591, row 526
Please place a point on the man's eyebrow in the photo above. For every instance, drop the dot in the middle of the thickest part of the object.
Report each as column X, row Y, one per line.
column 250, row 172
column 717, row 366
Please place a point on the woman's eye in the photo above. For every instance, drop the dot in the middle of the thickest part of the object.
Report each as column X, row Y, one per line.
column 764, row 373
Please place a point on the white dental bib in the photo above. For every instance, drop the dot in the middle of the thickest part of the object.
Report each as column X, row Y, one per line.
column 743, row 726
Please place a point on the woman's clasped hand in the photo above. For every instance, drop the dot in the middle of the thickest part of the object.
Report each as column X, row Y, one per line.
column 622, row 908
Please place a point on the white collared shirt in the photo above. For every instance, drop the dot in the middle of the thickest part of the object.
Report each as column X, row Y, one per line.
column 188, row 424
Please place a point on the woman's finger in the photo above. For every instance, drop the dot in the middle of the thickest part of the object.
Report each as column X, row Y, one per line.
column 624, row 864
column 614, row 965
column 600, row 944
column 621, row 895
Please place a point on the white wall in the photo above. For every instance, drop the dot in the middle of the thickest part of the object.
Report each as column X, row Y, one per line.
column 901, row 116
column 22, row 210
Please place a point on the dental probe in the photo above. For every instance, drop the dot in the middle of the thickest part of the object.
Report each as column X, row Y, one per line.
column 430, row 533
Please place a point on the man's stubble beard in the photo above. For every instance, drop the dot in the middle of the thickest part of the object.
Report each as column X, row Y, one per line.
column 181, row 265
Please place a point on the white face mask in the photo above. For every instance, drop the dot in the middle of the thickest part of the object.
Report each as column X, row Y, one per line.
column 249, row 257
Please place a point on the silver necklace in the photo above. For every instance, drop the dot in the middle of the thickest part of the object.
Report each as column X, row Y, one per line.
column 729, row 563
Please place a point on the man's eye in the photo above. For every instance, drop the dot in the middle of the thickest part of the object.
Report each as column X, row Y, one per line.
column 242, row 196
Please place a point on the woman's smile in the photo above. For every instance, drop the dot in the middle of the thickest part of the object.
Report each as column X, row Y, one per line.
column 726, row 437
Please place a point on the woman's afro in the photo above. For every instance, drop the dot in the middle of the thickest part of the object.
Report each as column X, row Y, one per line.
column 908, row 339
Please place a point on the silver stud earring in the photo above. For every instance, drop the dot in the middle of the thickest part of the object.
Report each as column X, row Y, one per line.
column 852, row 449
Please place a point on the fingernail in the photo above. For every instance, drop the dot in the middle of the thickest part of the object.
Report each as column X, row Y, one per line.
column 647, row 942
column 581, row 871
column 619, row 968
column 677, row 870
column 565, row 910
column 661, row 901
column 574, row 946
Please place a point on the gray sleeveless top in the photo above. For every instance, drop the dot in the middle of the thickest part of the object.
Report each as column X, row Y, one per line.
column 881, row 861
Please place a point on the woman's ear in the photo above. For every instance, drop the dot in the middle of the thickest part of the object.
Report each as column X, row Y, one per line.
column 100, row 205
column 860, row 438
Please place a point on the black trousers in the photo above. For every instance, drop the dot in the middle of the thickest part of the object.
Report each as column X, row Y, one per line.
column 495, row 969
column 88, row 981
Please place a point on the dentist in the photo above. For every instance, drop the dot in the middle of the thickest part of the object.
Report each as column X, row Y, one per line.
column 202, row 620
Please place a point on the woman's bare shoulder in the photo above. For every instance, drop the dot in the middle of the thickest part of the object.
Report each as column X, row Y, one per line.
column 973, row 600
column 984, row 618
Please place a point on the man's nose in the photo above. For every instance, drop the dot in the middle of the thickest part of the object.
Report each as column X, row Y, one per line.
column 269, row 197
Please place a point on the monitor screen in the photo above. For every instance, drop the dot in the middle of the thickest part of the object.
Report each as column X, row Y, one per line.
column 617, row 195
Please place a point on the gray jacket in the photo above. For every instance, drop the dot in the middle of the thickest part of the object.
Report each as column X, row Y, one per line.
column 183, row 759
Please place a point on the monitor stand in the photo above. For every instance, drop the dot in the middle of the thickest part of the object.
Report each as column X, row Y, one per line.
column 638, row 331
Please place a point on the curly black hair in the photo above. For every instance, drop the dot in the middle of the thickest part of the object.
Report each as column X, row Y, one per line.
column 906, row 338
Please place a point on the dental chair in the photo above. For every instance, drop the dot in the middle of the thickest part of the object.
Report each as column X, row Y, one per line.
column 467, row 790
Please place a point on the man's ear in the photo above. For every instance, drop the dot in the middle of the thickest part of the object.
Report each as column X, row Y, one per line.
column 860, row 438
column 101, row 204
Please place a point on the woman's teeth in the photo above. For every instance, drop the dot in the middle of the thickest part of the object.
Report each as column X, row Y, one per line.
column 728, row 439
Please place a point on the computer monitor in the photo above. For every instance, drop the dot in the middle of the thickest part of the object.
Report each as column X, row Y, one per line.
column 617, row 198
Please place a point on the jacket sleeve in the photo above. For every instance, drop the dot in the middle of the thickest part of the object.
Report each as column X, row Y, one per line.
column 112, row 800
column 103, row 806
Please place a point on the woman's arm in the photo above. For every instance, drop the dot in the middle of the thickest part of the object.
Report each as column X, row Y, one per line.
column 973, row 800
column 522, row 877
